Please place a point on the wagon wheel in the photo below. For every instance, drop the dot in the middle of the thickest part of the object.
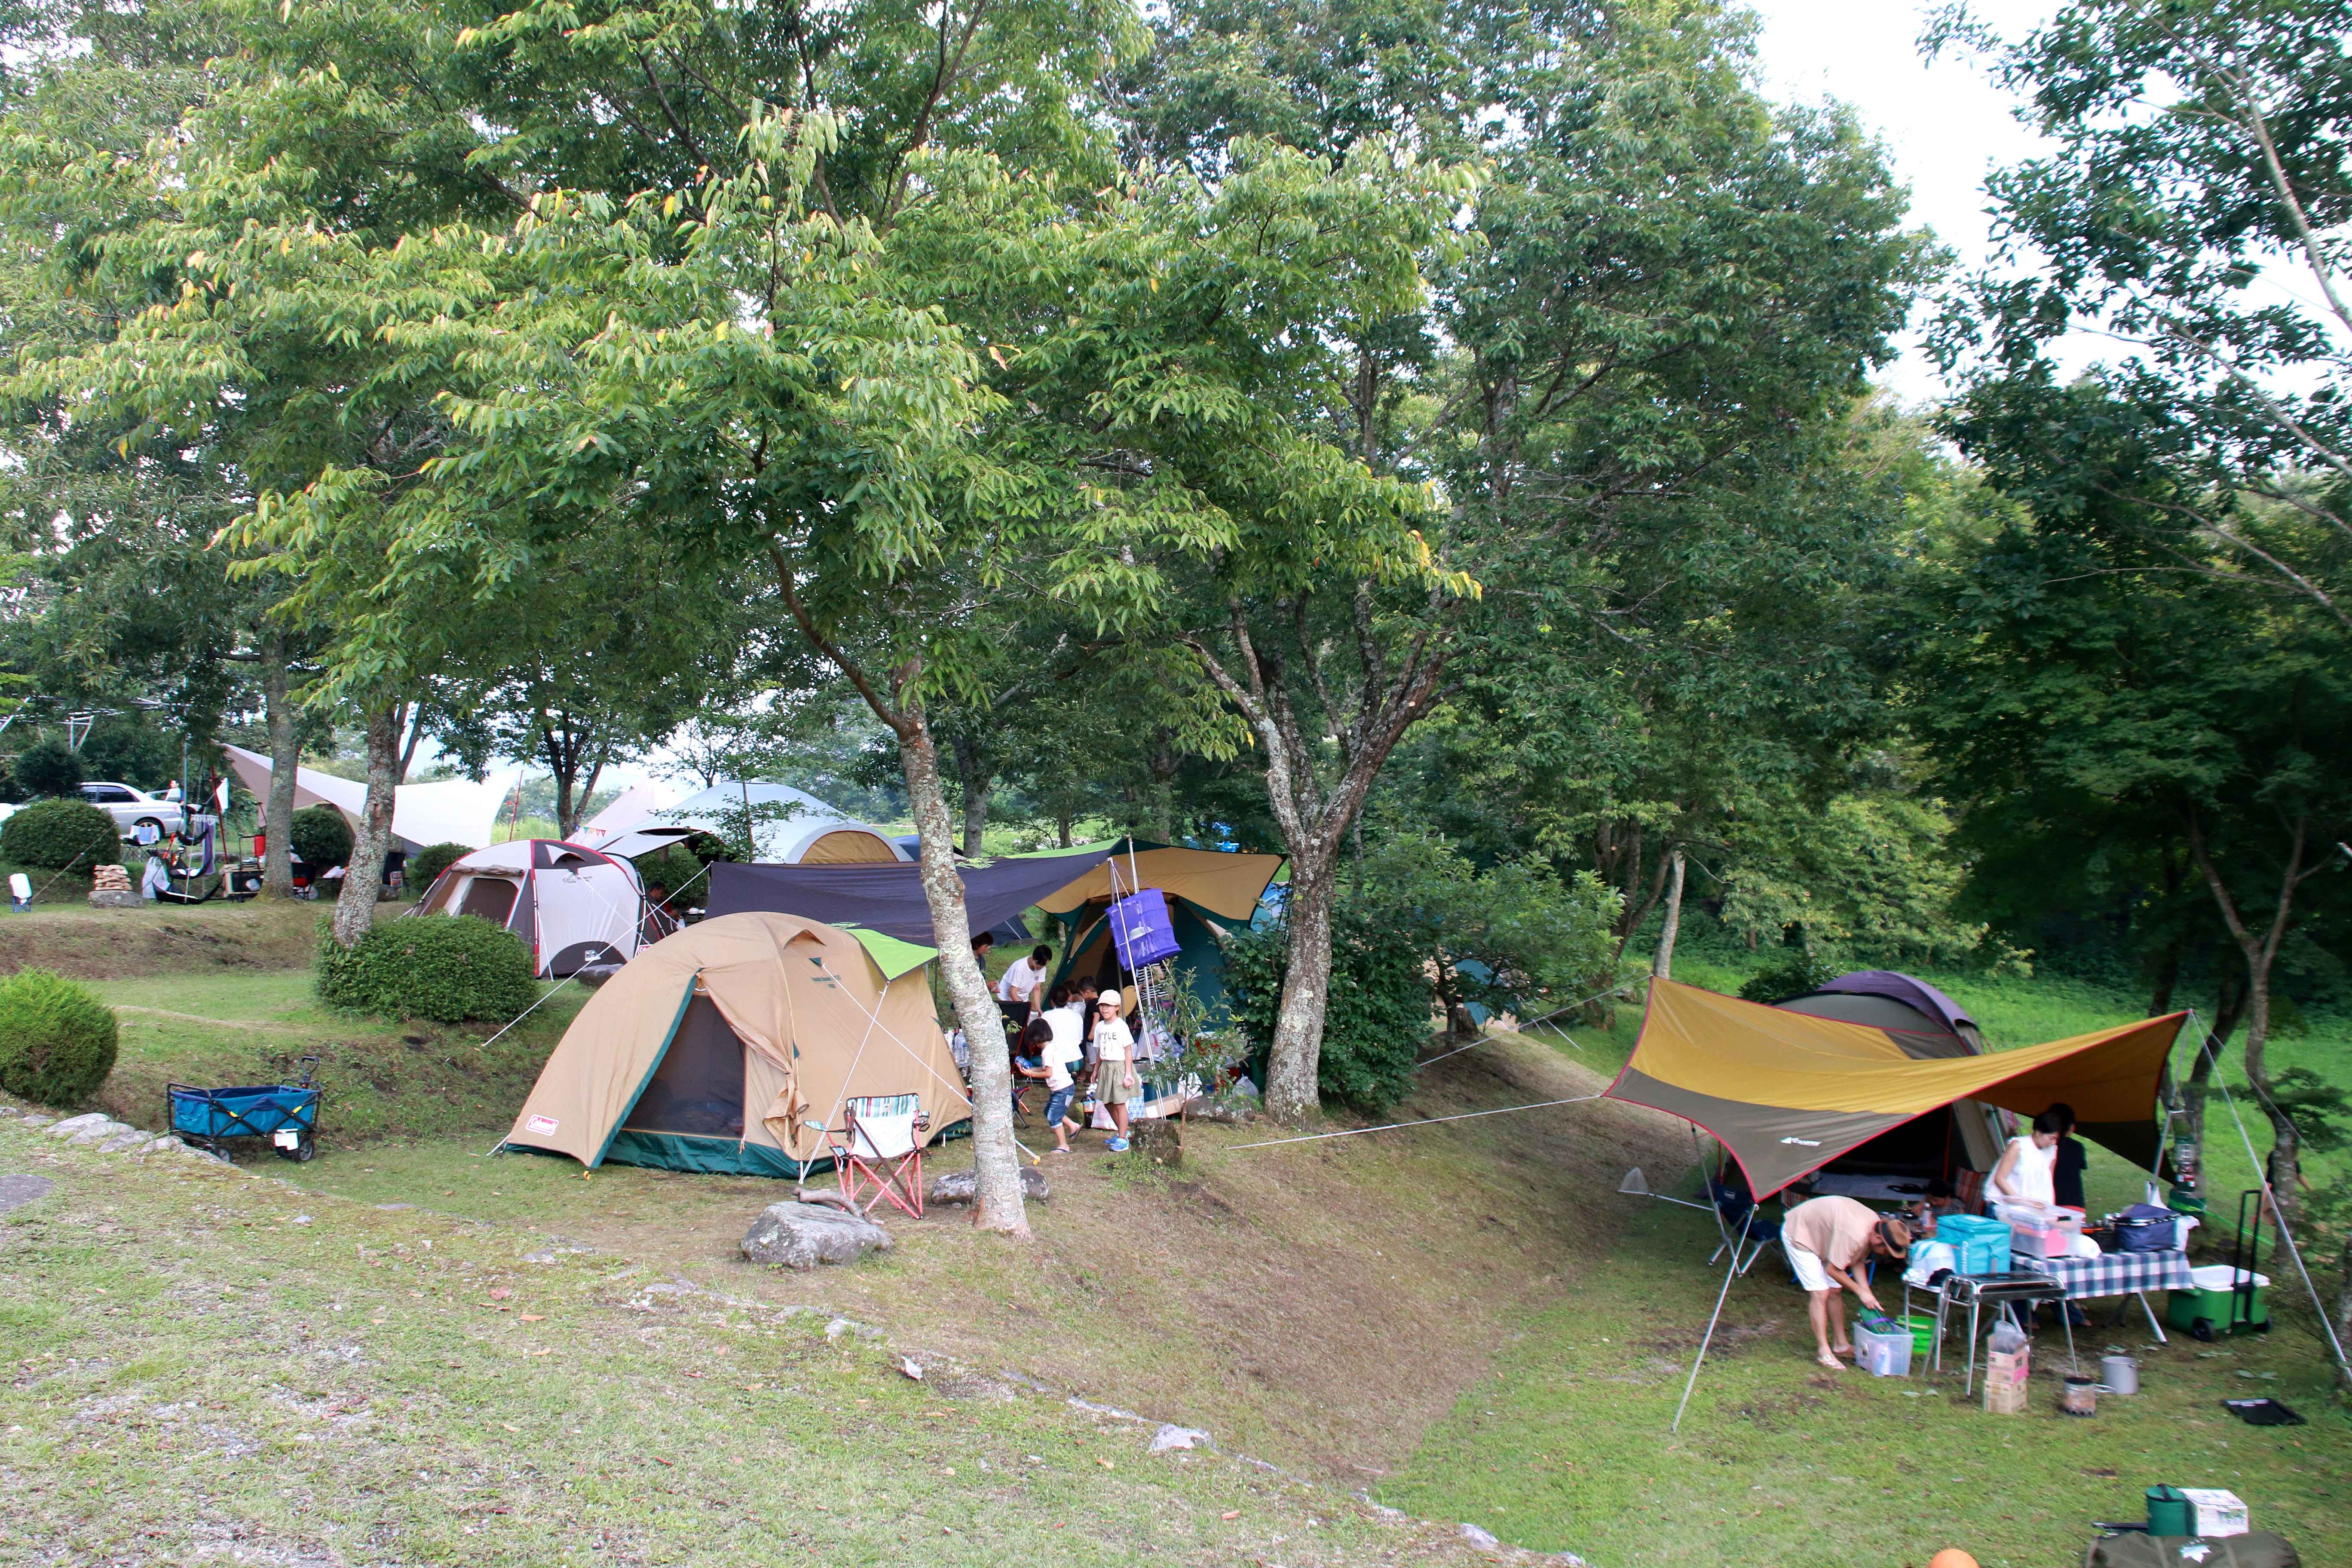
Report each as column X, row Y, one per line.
column 303, row 1152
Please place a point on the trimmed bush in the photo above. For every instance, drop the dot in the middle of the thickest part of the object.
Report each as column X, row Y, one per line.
column 424, row 867
column 57, row 833
column 443, row 968
column 47, row 768
column 1375, row 1020
column 56, row 1041
column 320, row 837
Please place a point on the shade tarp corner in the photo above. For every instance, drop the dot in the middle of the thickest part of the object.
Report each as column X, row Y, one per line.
column 1788, row 1092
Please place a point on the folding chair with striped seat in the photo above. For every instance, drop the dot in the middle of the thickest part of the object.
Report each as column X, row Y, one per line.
column 878, row 1147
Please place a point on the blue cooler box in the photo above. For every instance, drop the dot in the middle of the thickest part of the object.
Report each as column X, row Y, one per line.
column 1981, row 1244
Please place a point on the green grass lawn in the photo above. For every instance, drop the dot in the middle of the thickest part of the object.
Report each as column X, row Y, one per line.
column 143, row 1314
column 206, row 1366
column 1565, row 1445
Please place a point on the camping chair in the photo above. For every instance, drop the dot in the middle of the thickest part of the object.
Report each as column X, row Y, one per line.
column 879, row 1146
column 1733, row 1210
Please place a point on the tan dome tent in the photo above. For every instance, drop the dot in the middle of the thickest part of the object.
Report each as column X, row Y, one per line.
column 729, row 1047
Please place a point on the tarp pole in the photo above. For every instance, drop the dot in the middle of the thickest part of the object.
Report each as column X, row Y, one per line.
column 2270, row 1196
column 1720, row 1296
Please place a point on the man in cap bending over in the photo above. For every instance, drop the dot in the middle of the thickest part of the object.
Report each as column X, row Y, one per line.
column 1827, row 1240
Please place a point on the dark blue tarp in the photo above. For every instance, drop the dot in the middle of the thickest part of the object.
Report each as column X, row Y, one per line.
column 887, row 895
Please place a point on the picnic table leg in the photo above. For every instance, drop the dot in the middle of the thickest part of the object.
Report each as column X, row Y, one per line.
column 2066, row 1316
column 2151, row 1318
column 1974, row 1306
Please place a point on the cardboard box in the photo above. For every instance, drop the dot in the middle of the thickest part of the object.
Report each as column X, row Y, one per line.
column 2212, row 1511
column 2006, row 1373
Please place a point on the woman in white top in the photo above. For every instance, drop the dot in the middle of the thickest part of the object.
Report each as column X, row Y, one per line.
column 2026, row 1174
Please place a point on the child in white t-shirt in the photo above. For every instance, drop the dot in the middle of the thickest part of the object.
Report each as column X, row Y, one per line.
column 1062, row 1055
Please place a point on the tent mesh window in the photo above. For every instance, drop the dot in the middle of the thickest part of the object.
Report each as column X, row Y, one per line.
column 699, row 1087
column 492, row 897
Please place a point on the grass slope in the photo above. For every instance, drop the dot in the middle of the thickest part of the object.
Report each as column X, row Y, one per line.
column 1315, row 1304
column 206, row 1366
column 382, row 1079
column 157, row 940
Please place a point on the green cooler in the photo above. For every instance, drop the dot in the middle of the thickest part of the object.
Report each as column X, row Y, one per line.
column 2213, row 1300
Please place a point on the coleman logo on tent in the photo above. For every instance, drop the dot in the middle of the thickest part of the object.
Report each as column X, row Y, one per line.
column 1803, row 1143
column 541, row 1125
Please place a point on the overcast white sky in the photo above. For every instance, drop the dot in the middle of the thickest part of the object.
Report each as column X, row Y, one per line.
column 1945, row 125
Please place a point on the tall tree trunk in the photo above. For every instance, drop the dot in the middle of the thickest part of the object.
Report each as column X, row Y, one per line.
column 1313, row 822
column 364, row 878
column 2228, row 1002
column 2344, row 1312
column 997, row 1204
column 977, row 779
column 285, row 760
column 1662, row 961
column 1295, row 1055
column 2282, row 1171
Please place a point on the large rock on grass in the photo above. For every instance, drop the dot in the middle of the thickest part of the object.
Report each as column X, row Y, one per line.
column 963, row 1187
column 802, row 1236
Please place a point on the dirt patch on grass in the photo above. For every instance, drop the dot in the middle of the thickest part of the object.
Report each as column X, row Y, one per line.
column 122, row 944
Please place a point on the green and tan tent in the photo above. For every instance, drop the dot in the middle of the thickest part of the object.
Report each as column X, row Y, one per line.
column 1210, row 893
column 730, row 1046
column 1788, row 1092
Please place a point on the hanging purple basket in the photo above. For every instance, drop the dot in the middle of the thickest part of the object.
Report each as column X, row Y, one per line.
column 1141, row 930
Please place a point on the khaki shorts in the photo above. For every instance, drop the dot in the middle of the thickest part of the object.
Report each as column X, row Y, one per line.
column 1111, row 1084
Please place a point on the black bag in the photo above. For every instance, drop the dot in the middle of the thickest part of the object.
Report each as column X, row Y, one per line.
column 2256, row 1549
column 2145, row 1227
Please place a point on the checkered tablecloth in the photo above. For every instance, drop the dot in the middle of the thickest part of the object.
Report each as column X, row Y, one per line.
column 2114, row 1274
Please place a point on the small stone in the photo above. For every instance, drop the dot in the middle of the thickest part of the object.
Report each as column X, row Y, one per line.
column 114, row 898
column 962, row 1186
column 1172, row 1437
column 126, row 1141
column 35, row 1119
column 82, row 1123
column 802, row 1236
column 911, row 1368
column 1477, row 1537
column 107, row 1128
column 299, row 1219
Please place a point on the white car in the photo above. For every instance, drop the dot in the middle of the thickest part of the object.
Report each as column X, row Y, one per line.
column 130, row 808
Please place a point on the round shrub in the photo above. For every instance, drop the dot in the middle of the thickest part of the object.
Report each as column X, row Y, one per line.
column 320, row 837
column 47, row 768
column 424, row 867
column 57, row 833
column 444, row 968
column 56, row 1041
column 1796, row 974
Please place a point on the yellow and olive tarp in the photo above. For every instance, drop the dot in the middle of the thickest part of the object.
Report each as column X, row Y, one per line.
column 1786, row 1092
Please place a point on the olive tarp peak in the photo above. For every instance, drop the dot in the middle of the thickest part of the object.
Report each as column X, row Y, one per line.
column 1788, row 1092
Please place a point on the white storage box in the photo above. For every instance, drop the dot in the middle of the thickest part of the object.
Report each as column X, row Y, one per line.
column 2215, row 1512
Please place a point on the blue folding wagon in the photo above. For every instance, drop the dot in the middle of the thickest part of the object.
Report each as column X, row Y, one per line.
column 285, row 1113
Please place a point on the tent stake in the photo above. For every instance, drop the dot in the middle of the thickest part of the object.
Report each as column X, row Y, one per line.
column 1719, row 1297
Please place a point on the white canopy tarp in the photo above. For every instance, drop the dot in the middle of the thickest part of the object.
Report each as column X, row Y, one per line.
column 452, row 811
column 788, row 826
column 639, row 803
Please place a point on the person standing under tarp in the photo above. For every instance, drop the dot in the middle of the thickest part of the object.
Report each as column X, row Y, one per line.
column 1115, row 1079
column 1017, row 988
column 1827, row 1241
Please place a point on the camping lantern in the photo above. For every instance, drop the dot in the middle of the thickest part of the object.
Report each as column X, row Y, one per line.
column 1142, row 930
